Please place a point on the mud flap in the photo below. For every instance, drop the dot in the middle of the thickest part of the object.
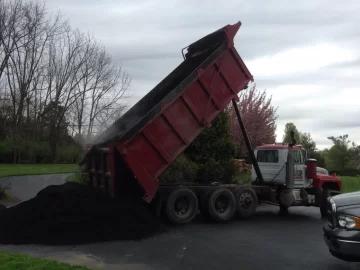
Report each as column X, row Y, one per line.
column 318, row 196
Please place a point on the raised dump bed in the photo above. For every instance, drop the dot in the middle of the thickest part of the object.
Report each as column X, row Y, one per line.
column 155, row 131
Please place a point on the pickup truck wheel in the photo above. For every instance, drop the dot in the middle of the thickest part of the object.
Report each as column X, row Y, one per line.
column 246, row 202
column 221, row 205
column 181, row 206
column 324, row 197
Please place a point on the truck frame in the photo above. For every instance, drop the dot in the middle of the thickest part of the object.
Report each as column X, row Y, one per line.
column 129, row 157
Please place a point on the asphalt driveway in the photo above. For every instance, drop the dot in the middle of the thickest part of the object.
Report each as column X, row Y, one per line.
column 267, row 241
column 26, row 187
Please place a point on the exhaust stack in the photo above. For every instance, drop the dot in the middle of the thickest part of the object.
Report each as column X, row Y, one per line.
column 290, row 177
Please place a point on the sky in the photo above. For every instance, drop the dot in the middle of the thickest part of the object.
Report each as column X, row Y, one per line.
column 305, row 55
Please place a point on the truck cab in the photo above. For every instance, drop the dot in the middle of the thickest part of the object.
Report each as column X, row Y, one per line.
column 308, row 177
column 272, row 163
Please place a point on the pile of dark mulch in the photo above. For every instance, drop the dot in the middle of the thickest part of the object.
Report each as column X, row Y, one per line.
column 72, row 214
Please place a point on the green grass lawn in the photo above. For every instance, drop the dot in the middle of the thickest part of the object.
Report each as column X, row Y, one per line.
column 350, row 183
column 11, row 262
column 34, row 169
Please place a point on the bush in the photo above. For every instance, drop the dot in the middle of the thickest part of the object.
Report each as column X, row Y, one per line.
column 69, row 153
column 215, row 142
column 215, row 171
column 182, row 170
column 242, row 178
column 319, row 157
column 347, row 172
column 34, row 151
column 42, row 152
column 80, row 176
column 3, row 190
column 5, row 151
column 351, row 172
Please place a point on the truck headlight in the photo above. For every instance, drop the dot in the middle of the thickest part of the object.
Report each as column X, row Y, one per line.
column 349, row 222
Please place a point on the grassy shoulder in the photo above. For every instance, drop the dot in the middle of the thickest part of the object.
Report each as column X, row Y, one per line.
column 35, row 169
column 350, row 183
column 14, row 261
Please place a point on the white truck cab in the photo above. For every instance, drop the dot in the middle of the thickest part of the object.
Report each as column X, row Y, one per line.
column 272, row 163
column 310, row 185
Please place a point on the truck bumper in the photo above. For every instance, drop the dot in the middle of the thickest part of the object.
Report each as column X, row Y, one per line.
column 343, row 244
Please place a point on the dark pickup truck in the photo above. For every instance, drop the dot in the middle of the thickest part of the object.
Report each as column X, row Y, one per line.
column 342, row 227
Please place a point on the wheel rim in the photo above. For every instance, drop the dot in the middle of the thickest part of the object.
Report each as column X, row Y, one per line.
column 182, row 207
column 222, row 204
column 246, row 201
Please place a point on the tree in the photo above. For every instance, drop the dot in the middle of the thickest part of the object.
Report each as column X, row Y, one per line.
column 259, row 116
column 54, row 81
column 102, row 90
column 208, row 158
column 214, row 142
column 25, row 59
column 339, row 156
column 320, row 157
column 13, row 28
column 287, row 133
column 305, row 139
column 355, row 156
column 307, row 142
column 344, row 156
column 310, row 146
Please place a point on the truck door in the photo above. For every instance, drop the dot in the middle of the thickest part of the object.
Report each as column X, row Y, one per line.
column 299, row 169
column 270, row 164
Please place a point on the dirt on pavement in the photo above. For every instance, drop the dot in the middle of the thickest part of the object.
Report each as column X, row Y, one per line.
column 71, row 214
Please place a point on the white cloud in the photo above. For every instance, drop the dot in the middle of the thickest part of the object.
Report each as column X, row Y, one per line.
column 300, row 60
column 304, row 54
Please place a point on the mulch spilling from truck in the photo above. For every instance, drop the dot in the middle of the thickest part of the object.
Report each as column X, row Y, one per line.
column 72, row 214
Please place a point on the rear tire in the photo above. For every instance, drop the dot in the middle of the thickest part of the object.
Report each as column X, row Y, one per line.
column 324, row 196
column 246, row 202
column 221, row 205
column 181, row 206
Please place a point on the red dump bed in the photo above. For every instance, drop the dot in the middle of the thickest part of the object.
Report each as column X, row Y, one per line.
column 156, row 130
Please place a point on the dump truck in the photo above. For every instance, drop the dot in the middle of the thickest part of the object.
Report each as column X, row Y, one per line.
column 128, row 158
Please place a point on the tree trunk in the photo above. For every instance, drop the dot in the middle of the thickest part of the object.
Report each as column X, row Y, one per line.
column 53, row 142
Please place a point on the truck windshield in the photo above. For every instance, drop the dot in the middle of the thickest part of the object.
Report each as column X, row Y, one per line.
column 271, row 156
column 298, row 157
column 304, row 154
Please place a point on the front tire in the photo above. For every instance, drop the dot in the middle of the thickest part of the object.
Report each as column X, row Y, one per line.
column 246, row 202
column 284, row 210
column 181, row 206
